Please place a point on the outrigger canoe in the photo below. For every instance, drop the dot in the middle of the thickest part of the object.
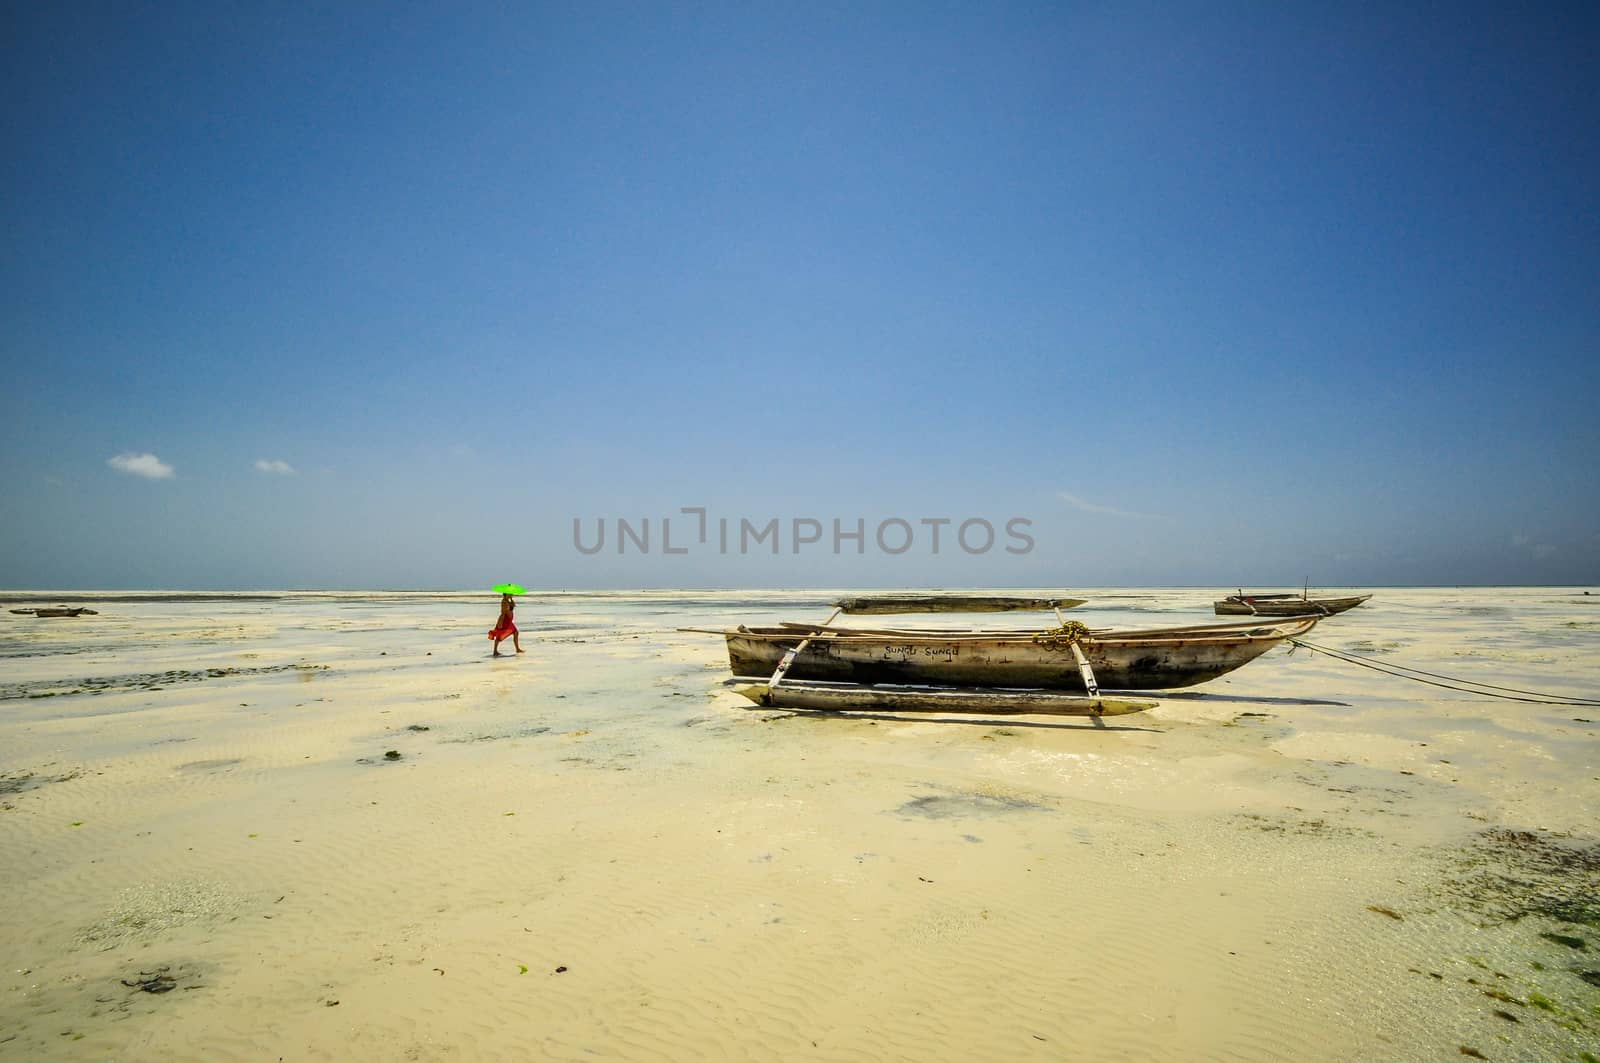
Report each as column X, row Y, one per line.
column 1060, row 670
column 1155, row 659
column 1242, row 604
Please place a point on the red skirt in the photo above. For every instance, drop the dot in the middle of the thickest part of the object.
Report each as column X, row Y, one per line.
column 504, row 631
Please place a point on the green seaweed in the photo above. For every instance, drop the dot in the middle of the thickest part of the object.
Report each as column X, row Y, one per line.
column 1509, row 875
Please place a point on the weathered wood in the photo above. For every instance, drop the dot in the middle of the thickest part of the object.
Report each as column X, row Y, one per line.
column 56, row 612
column 897, row 632
column 1284, row 605
column 1085, row 671
column 788, row 658
column 952, row 603
column 800, row 694
column 1225, row 629
column 1125, row 660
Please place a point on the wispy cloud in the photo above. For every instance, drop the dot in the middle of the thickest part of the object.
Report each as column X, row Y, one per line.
column 274, row 467
column 1538, row 550
column 146, row 465
column 1095, row 507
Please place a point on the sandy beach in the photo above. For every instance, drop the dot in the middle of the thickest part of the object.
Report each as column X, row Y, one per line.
column 331, row 827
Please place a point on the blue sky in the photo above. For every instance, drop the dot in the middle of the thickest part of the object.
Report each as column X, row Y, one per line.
column 352, row 295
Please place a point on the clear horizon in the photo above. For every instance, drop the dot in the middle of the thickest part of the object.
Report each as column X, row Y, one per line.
column 361, row 296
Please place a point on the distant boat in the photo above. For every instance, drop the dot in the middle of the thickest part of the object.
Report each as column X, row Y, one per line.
column 1243, row 604
column 1059, row 670
column 47, row 612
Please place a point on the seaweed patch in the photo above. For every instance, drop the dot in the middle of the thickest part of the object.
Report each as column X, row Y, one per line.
column 1509, row 875
column 144, row 681
column 952, row 806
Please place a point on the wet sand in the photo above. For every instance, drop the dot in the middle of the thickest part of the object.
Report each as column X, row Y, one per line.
column 594, row 851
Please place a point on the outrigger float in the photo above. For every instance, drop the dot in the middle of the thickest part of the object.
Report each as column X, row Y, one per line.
column 1065, row 670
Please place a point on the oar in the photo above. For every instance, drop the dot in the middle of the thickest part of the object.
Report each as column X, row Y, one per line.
column 788, row 658
column 1085, row 671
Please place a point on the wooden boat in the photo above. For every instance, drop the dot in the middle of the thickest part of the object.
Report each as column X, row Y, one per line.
column 1243, row 604
column 1159, row 659
column 1058, row 670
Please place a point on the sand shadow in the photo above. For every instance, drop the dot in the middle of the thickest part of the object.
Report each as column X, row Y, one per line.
column 1249, row 700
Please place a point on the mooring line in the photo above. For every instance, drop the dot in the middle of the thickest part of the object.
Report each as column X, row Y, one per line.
column 1468, row 686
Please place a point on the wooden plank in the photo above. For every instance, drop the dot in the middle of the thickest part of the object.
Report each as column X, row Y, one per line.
column 802, row 694
column 1258, row 628
column 921, row 632
column 1085, row 671
column 951, row 603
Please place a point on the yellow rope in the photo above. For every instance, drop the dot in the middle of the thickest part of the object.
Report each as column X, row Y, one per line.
column 1061, row 638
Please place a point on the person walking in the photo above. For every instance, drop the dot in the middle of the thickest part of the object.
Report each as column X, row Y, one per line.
column 505, row 627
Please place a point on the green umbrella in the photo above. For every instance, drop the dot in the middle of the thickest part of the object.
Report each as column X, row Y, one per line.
column 509, row 588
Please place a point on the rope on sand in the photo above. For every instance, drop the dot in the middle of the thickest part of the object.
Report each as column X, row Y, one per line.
column 1465, row 686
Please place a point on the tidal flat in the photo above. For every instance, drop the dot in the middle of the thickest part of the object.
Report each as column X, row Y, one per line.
column 330, row 826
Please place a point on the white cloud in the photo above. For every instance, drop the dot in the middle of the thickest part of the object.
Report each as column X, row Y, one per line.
column 1540, row 551
column 274, row 467
column 1095, row 507
column 147, row 465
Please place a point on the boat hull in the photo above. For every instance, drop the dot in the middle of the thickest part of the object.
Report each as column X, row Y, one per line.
column 1127, row 662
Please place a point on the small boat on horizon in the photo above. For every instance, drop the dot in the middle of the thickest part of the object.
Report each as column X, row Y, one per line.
column 1301, row 604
